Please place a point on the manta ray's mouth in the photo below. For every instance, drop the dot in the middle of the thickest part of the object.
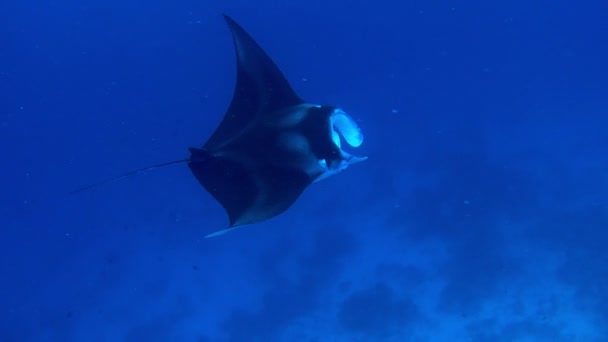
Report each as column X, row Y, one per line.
column 344, row 127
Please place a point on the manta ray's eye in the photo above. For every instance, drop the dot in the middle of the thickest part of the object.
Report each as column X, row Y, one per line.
column 343, row 125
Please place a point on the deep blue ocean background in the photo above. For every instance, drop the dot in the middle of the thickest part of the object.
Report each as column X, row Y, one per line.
column 480, row 215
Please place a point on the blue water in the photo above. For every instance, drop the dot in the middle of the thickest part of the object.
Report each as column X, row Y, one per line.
column 480, row 215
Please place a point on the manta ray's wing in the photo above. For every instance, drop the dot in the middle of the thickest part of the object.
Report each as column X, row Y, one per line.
column 248, row 196
column 260, row 88
column 241, row 165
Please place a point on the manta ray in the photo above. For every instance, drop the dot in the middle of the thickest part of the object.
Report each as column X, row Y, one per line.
column 270, row 145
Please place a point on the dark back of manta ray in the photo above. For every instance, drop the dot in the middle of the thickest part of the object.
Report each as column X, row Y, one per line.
column 261, row 88
column 244, row 164
column 249, row 189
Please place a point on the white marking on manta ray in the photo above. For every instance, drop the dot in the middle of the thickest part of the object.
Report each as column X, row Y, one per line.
column 295, row 116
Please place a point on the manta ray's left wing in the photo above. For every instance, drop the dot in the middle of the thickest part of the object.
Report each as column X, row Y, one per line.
column 261, row 89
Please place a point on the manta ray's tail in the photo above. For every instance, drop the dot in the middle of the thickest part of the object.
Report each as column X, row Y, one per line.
column 134, row 172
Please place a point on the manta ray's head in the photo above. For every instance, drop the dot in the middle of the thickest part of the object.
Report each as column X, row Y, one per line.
column 343, row 130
